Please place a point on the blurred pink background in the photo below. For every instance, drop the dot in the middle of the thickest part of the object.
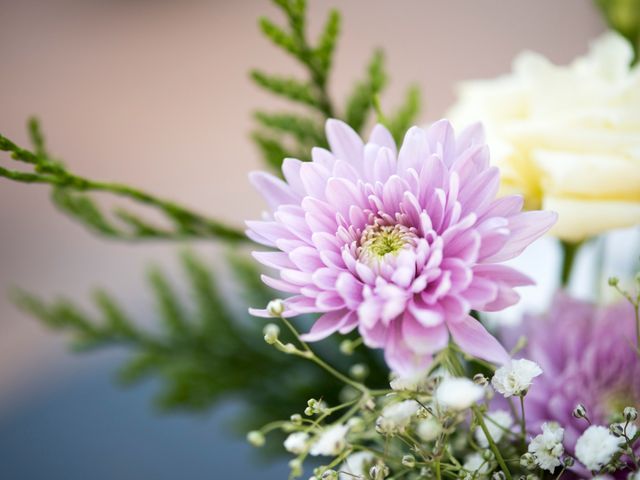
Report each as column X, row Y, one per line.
column 156, row 94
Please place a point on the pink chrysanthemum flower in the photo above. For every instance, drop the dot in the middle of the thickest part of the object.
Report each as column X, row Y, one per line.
column 400, row 245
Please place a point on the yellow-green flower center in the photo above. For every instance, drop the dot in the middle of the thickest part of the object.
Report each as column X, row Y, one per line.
column 377, row 241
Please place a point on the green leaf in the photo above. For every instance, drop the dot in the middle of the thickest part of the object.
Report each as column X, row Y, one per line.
column 287, row 87
column 406, row 114
column 307, row 131
column 84, row 209
column 623, row 16
column 279, row 36
column 273, row 150
column 360, row 102
column 327, row 43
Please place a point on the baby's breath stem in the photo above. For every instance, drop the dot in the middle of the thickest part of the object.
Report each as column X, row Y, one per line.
column 523, row 423
column 309, row 354
column 492, row 444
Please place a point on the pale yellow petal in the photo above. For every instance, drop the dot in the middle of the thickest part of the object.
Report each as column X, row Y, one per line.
column 579, row 219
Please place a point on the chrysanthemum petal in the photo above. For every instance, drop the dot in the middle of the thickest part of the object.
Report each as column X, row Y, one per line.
column 474, row 339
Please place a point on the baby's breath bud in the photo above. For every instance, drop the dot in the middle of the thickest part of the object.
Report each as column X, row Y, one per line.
column 289, row 348
column 346, row 347
column 487, row 455
column 329, row 475
column 426, row 472
column 275, row 307
column 370, row 404
column 385, row 426
column 613, row 281
column 295, row 465
column 308, row 411
column 498, row 476
column 580, row 411
column 617, row 429
column 271, row 332
column 296, row 419
column 423, row 413
column 379, row 471
column 630, row 414
column 409, row 461
column 528, row 461
column 568, row 462
column 255, row 438
column 359, row 371
column 356, row 424
column 480, row 379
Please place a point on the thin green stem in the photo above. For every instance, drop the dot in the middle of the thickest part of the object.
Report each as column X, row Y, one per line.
column 569, row 251
column 492, row 443
column 309, row 354
column 523, row 423
column 561, row 472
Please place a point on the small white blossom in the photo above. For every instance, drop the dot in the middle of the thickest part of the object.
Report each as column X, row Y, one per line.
column 429, row 429
column 413, row 382
column 396, row 417
column 296, row 442
column 596, row 446
column 547, row 447
column 331, row 441
column 458, row 393
column 515, row 378
column 356, row 466
column 497, row 422
column 475, row 463
column 400, row 413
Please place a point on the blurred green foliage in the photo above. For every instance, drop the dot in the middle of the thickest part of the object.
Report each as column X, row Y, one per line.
column 206, row 347
column 293, row 133
column 623, row 16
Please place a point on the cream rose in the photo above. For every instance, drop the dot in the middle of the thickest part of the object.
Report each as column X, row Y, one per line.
column 566, row 137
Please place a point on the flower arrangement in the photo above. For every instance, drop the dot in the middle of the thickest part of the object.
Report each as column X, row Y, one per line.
column 382, row 258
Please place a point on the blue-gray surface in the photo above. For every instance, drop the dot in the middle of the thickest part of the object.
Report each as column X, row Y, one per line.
column 87, row 428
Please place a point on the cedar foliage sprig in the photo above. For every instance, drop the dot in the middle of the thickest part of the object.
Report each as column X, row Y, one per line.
column 294, row 134
column 72, row 194
column 203, row 351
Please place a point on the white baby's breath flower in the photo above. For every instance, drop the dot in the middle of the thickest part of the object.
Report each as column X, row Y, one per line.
column 429, row 429
column 401, row 412
column 497, row 422
column 458, row 393
column 547, row 447
column 297, row 442
column 356, row 466
column 331, row 441
column 396, row 417
column 413, row 382
column 596, row 447
column 516, row 377
column 475, row 463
